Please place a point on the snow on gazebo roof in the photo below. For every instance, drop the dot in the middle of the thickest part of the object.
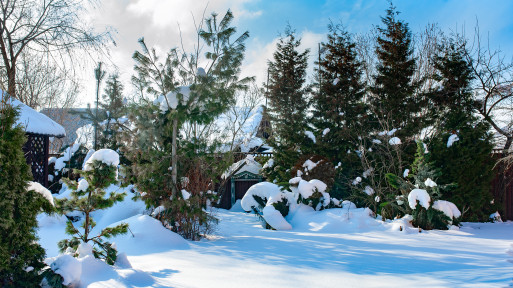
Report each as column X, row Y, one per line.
column 35, row 122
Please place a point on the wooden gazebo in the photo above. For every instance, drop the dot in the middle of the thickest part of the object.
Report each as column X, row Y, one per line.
column 38, row 128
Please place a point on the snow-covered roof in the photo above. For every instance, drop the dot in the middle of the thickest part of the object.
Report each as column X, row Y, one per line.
column 35, row 122
column 245, row 165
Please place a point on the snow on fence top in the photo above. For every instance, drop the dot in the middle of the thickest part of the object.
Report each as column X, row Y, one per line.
column 35, row 122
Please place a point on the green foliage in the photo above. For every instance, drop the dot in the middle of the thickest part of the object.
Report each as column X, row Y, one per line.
column 288, row 104
column 339, row 106
column 394, row 91
column 99, row 176
column 419, row 178
column 467, row 162
column 19, row 207
column 430, row 218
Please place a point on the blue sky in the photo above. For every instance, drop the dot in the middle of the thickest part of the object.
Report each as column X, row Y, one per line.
column 157, row 21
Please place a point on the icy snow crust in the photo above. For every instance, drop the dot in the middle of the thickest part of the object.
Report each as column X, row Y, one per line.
column 323, row 249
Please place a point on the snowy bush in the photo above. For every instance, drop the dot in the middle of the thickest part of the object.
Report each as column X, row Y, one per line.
column 89, row 195
column 313, row 193
column 421, row 198
column 270, row 203
column 70, row 158
column 190, row 214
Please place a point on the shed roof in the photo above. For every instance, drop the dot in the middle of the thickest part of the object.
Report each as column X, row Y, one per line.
column 35, row 122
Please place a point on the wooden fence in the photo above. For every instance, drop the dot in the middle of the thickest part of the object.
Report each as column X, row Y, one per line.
column 502, row 184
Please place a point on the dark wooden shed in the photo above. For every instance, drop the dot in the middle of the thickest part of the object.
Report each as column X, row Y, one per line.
column 239, row 178
column 38, row 128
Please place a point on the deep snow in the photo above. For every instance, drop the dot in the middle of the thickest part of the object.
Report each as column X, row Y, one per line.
column 331, row 248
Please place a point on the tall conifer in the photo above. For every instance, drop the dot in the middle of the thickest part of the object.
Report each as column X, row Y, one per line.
column 21, row 257
column 394, row 92
column 288, row 101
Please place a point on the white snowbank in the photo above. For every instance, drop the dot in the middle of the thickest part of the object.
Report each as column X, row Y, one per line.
column 447, row 207
column 107, row 156
column 68, row 267
column 270, row 193
column 453, row 138
column 420, row 195
column 41, row 190
column 274, row 218
column 185, row 194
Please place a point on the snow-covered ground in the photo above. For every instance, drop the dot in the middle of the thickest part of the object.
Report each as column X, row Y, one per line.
column 329, row 248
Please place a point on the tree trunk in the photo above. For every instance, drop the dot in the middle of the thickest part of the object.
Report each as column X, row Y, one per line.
column 174, row 169
column 11, row 81
column 509, row 139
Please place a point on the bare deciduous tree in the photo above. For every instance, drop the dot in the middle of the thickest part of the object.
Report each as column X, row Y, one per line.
column 493, row 86
column 44, row 27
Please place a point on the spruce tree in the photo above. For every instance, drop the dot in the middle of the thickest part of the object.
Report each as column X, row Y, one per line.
column 339, row 111
column 466, row 158
column 113, row 108
column 89, row 195
column 288, row 104
column 395, row 100
column 21, row 257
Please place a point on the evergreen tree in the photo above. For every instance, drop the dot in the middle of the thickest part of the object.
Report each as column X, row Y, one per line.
column 288, row 104
column 463, row 144
column 88, row 195
column 113, row 108
column 339, row 110
column 21, row 257
column 395, row 100
column 159, row 154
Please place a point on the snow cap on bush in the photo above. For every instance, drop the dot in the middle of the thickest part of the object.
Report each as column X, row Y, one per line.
column 107, row 156
column 420, row 195
column 447, row 207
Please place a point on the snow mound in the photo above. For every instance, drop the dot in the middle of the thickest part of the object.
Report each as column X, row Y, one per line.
column 271, row 193
column 447, row 207
column 107, row 156
column 68, row 267
column 41, row 190
column 149, row 236
column 420, row 195
column 274, row 218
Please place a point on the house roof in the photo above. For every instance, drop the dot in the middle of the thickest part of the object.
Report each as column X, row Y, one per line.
column 245, row 165
column 35, row 122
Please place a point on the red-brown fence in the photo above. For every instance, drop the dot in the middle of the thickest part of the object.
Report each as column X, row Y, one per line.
column 502, row 185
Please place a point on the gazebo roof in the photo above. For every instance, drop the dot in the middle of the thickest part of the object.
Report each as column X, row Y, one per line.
column 35, row 122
